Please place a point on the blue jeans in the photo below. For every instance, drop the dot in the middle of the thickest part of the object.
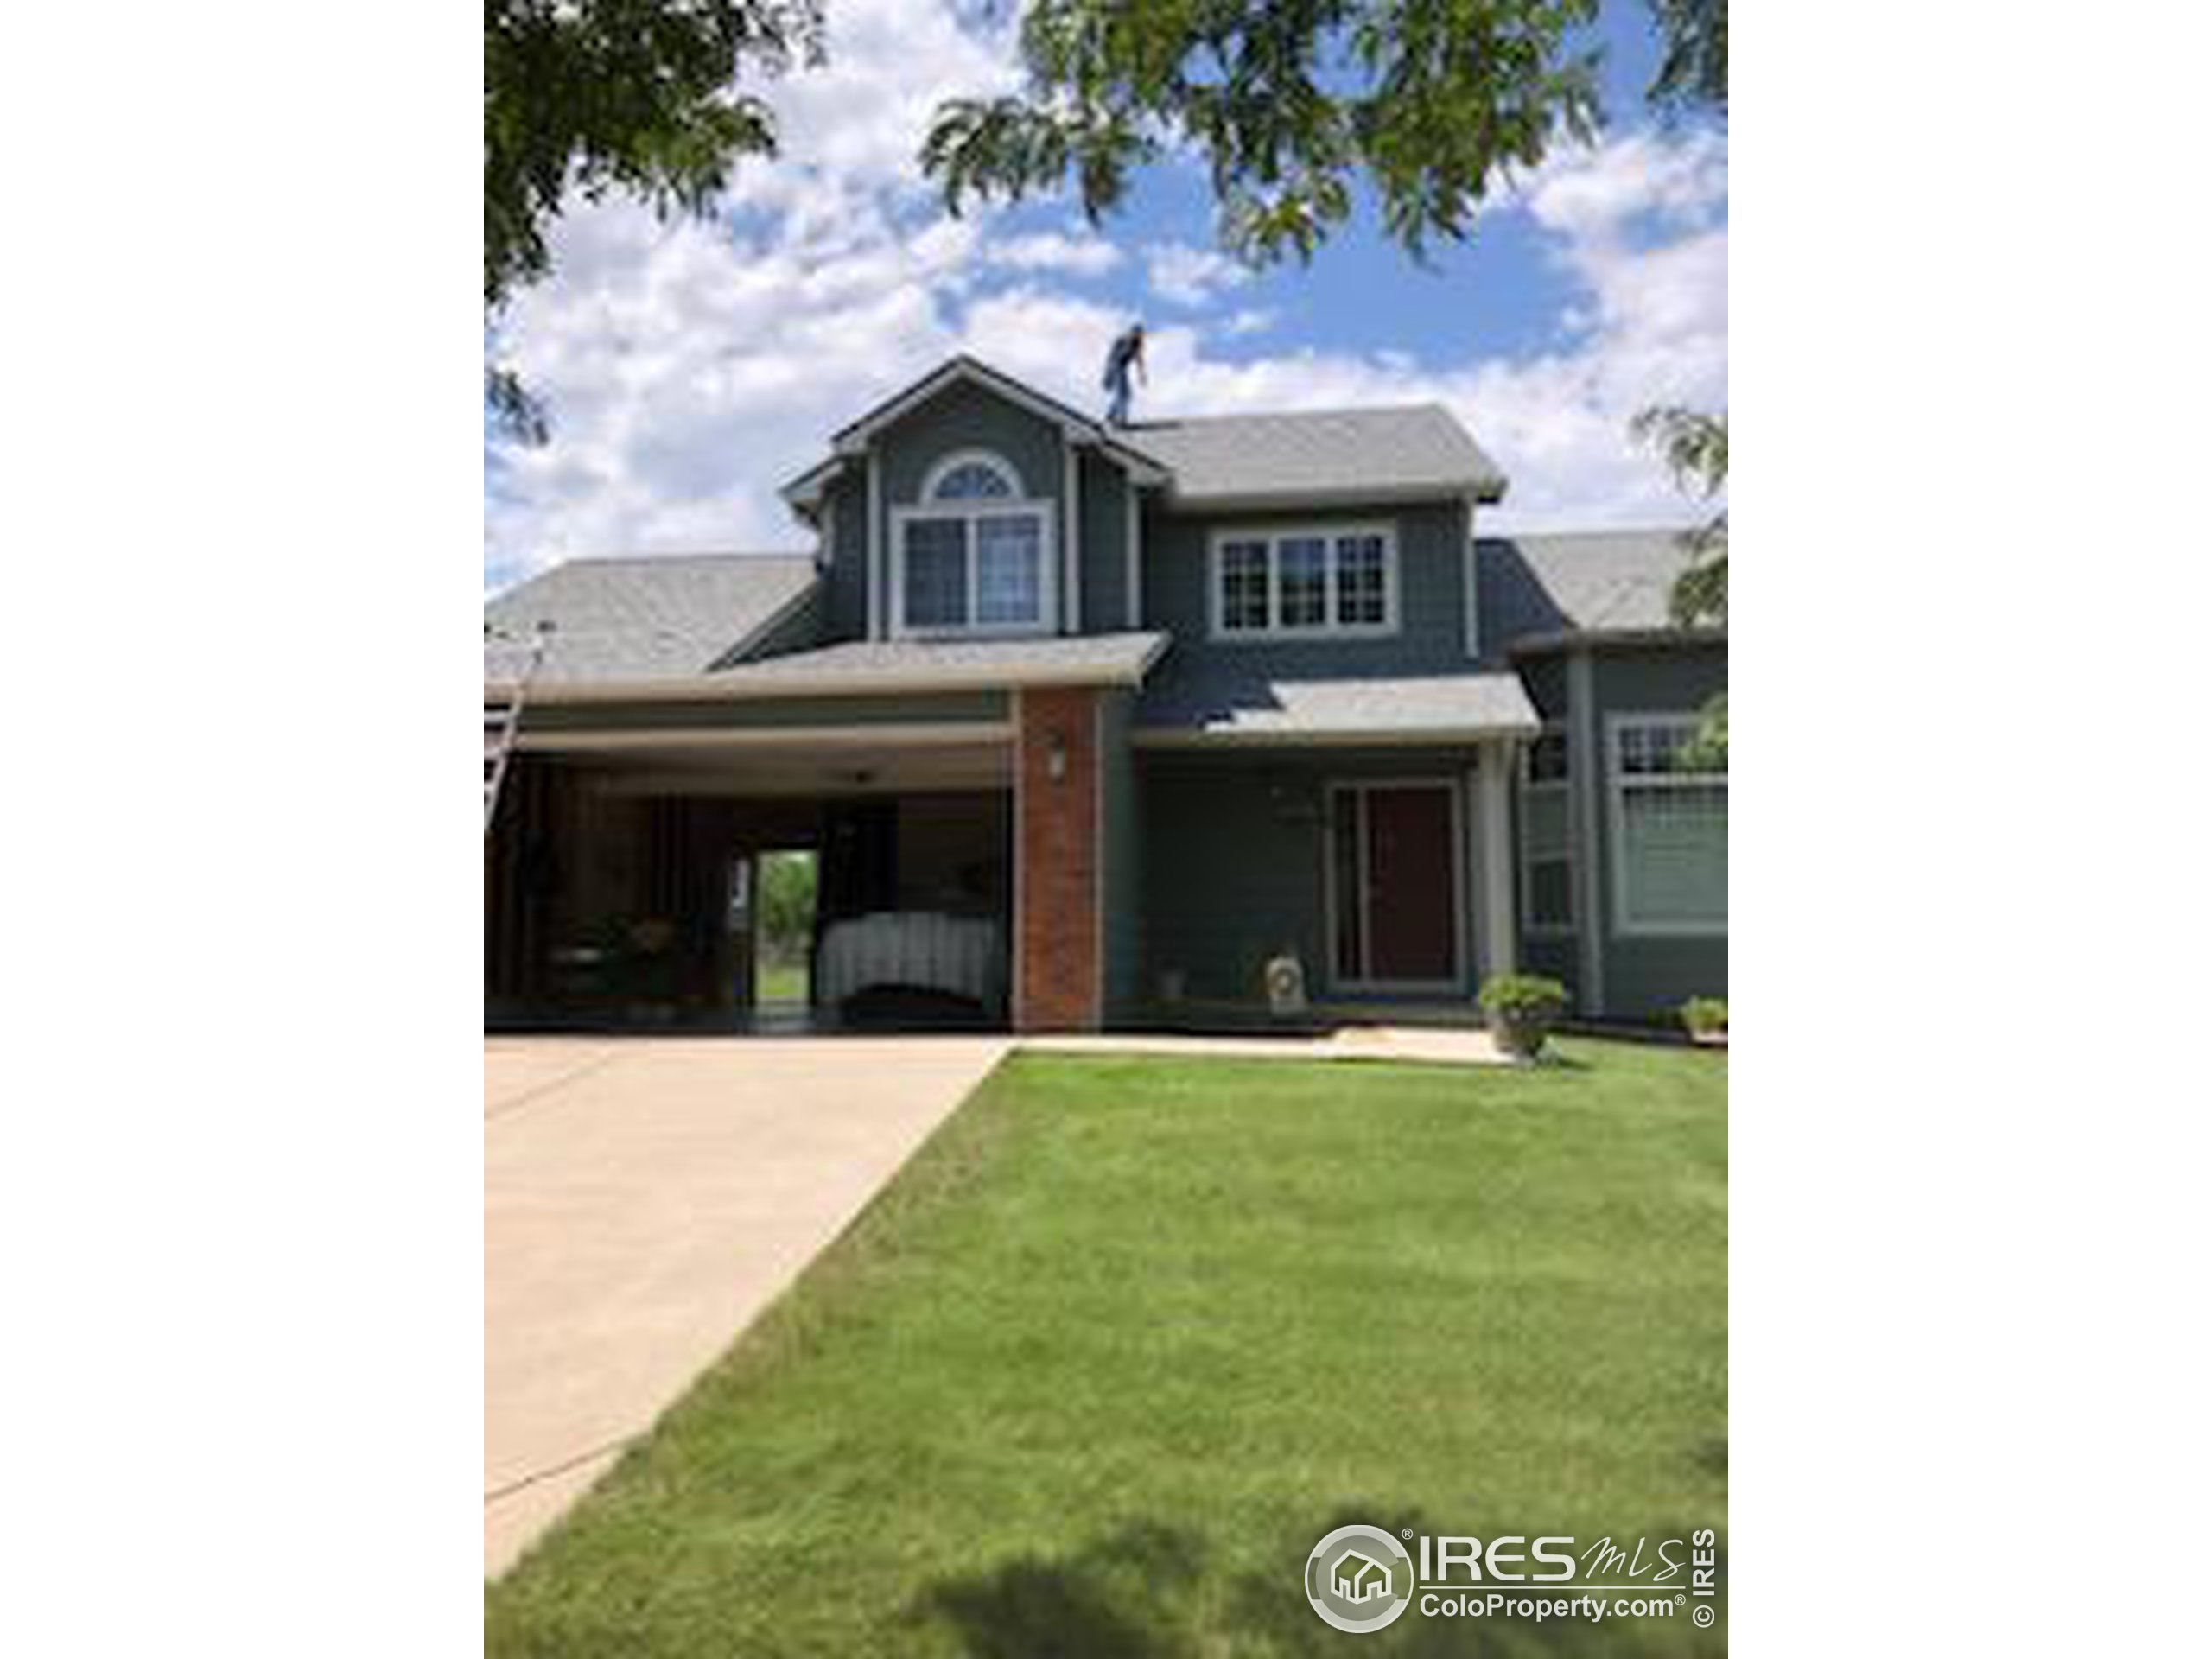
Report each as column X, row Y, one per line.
column 1117, row 410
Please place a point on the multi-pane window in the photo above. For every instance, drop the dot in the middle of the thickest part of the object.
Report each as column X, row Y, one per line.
column 1547, row 838
column 1363, row 581
column 1302, row 568
column 1244, row 587
column 1670, row 828
column 973, row 556
column 1307, row 582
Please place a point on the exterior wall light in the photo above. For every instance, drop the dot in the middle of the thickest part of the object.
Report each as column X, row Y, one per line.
column 1055, row 756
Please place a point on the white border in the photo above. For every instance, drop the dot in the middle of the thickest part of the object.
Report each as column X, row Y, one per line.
column 1273, row 535
column 1017, row 487
column 1617, row 784
column 1365, row 983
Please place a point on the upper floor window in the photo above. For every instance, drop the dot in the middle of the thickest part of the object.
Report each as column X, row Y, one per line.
column 1305, row 582
column 1669, row 828
column 972, row 556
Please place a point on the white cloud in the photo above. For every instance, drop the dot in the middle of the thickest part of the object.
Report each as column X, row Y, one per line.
column 1182, row 275
column 1077, row 255
column 692, row 367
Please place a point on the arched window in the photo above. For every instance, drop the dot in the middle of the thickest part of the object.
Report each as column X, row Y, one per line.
column 972, row 554
column 970, row 476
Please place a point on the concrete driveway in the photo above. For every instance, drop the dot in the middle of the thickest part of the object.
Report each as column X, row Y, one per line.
column 644, row 1199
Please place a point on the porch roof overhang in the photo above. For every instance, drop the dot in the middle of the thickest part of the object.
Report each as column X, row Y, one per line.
column 895, row 667
column 1254, row 709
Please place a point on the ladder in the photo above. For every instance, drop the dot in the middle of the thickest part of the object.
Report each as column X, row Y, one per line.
column 503, row 719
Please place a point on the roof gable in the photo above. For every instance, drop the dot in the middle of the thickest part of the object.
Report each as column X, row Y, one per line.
column 852, row 440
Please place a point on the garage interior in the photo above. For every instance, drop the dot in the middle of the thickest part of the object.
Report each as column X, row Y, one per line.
column 621, row 884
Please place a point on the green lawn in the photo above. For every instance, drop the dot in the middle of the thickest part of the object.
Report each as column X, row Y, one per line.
column 779, row 981
column 1129, row 1335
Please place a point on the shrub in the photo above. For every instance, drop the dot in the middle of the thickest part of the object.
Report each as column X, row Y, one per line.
column 1706, row 1016
column 1523, row 995
column 1521, row 1008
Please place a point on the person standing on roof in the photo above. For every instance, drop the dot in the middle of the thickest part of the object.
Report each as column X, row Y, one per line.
column 1126, row 354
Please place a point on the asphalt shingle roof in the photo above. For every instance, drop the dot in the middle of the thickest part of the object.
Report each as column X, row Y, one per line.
column 1594, row 581
column 642, row 619
column 1289, row 459
column 1090, row 658
column 1207, row 698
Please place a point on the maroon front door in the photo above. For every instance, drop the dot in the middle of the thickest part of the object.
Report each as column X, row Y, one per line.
column 1398, row 884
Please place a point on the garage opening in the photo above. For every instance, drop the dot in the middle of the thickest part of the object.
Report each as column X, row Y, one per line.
column 633, row 893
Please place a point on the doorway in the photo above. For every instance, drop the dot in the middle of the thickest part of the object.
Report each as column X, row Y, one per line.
column 1395, row 905
column 784, row 889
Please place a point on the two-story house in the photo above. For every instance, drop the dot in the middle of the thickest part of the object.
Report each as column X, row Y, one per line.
column 1089, row 725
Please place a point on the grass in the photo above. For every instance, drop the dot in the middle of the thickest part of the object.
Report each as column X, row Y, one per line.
column 1130, row 1334
column 779, row 981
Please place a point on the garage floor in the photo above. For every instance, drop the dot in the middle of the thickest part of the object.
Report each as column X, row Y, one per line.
column 644, row 1198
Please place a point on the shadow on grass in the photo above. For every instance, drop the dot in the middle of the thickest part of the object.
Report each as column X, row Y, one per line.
column 1149, row 1592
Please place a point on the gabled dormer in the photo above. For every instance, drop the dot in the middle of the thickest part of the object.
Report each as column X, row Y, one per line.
column 970, row 506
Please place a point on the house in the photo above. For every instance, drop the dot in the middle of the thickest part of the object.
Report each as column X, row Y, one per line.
column 1357, row 1577
column 1152, row 706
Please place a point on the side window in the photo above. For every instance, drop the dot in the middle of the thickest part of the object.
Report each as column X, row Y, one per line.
column 1547, row 838
column 1670, row 829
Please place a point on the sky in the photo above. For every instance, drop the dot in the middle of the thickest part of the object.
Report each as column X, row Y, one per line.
column 690, row 367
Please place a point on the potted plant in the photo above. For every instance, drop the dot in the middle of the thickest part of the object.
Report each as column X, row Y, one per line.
column 1705, row 1019
column 1522, row 1010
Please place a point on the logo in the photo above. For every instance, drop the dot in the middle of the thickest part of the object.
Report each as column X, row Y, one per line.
column 1359, row 1578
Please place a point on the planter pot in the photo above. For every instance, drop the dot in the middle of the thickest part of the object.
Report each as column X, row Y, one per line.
column 1520, row 1036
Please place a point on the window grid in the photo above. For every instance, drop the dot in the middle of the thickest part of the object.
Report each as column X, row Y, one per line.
column 1305, row 583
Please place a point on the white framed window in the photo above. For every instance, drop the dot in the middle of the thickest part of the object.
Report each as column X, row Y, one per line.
column 1546, row 838
column 1670, row 830
column 1303, row 582
column 974, row 554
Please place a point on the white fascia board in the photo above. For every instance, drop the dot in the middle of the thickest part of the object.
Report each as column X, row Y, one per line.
column 1396, row 737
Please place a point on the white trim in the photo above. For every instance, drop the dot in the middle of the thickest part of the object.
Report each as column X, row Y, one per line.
column 1070, row 573
column 994, row 506
column 1273, row 535
column 1618, row 783
column 1132, row 526
column 1364, row 982
column 1524, row 886
column 1017, row 487
column 891, row 734
column 1494, row 792
column 1393, row 737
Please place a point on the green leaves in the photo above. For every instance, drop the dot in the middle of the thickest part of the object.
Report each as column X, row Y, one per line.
column 1434, row 102
column 1694, row 445
column 585, row 97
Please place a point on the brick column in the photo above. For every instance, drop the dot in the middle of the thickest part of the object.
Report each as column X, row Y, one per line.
column 1056, row 981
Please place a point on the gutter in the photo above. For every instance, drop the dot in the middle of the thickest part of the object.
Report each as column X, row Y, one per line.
column 1397, row 737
